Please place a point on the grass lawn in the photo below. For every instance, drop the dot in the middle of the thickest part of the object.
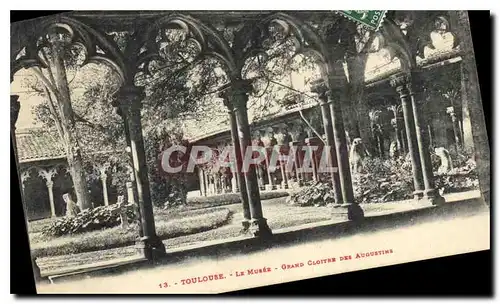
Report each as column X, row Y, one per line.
column 278, row 214
column 168, row 225
column 200, row 202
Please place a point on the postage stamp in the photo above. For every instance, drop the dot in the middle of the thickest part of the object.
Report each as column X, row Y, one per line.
column 370, row 19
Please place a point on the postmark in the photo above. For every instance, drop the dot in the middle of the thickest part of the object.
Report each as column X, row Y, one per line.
column 369, row 19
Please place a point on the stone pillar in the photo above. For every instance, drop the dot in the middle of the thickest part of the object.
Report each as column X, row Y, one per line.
column 257, row 142
column 296, row 145
column 238, row 97
column 24, row 177
column 240, row 177
column 281, row 142
column 130, row 193
column 269, row 141
column 234, row 180
column 404, row 138
column 414, row 90
column 399, row 82
column 456, row 126
column 50, row 186
column 201, row 178
column 104, row 178
column 313, row 142
column 354, row 211
column 321, row 89
column 130, row 102
column 47, row 175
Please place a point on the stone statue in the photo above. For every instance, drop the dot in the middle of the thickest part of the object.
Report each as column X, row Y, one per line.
column 393, row 149
column 72, row 208
column 357, row 155
column 446, row 163
column 123, row 211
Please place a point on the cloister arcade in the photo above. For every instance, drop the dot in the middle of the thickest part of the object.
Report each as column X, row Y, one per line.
column 325, row 35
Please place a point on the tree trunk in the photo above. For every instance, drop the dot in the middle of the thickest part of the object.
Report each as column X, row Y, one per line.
column 360, row 118
column 73, row 150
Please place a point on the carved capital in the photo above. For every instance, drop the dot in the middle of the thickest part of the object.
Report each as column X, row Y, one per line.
column 47, row 175
column 226, row 100
column 312, row 141
column 400, row 81
column 268, row 139
column 319, row 87
column 24, row 176
column 281, row 138
column 238, row 93
column 129, row 98
column 49, row 184
column 15, row 106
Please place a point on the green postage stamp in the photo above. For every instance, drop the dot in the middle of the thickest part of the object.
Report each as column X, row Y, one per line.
column 370, row 19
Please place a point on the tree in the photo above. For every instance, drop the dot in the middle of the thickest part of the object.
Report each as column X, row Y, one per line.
column 58, row 55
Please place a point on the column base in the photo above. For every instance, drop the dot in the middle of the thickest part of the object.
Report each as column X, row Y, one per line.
column 418, row 194
column 432, row 196
column 245, row 229
column 259, row 228
column 284, row 185
column 152, row 248
column 351, row 212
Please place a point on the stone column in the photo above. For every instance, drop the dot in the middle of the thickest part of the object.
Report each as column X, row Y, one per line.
column 130, row 103
column 321, row 89
column 313, row 142
column 354, row 211
column 414, row 90
column 104, row 178
column 399, row 82
column 269, row 141
column 296, row 145
column 201, row 179
column 238, row 97
column 456, row 126
column 47, row 175
column 281, row 142
column 130, row 193
column 257, row 142
column 50, row 186
column 404, row 138
column 234, row 180
column 102, row 170
column 24, row 177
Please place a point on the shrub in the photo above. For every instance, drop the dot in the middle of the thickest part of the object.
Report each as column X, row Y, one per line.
column 89, row 220
column 388, row 180
column 315, row 194
column 170, row 226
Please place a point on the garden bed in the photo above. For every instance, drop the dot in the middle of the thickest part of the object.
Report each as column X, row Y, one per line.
column 168, row 225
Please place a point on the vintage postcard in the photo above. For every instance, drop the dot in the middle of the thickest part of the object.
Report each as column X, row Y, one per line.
column 211, row 151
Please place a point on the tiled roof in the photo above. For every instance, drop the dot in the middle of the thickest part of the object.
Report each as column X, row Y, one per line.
column 38, row 144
